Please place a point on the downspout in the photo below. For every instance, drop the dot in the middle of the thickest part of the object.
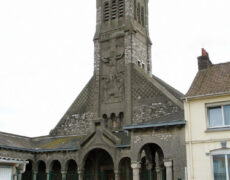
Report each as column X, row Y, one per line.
column 190, row 139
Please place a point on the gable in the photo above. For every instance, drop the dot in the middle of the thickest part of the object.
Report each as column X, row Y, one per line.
column 153, row 100
column 77, row 120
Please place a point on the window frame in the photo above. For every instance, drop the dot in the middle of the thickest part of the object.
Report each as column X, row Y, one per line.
column 224, row 152
column 8, row 167
column 213, row 105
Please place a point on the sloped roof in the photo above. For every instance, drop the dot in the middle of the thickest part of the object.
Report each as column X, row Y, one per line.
column 39, row 144
column 12, row 160
column 213, row 80
column 48, row 143
column 171, row 89
column 168, row 120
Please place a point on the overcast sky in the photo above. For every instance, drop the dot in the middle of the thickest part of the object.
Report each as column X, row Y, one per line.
column 46, row 53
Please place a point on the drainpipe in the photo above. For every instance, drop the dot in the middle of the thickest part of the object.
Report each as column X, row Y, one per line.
column 190, row 139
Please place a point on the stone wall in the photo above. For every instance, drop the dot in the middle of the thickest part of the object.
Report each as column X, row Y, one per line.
column 149, row 102
column 75, row 124
column 170, row 140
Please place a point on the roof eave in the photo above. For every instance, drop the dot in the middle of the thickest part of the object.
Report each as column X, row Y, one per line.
column 37, row 150
column 206, row 95
column 142, row 126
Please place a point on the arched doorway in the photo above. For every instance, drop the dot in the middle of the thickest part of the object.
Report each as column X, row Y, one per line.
column 41, row 171
column 71, row 170
column 98, row 165
column 125, row 170
column 152, row 164
column 28, row 174
column 55, row 173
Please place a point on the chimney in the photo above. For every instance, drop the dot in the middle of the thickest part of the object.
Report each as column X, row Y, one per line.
column 203, row 60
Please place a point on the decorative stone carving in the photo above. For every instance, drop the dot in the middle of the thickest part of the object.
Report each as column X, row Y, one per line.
column 113, row 83
column 112, row 79
column 146, row 113
column 76, row 124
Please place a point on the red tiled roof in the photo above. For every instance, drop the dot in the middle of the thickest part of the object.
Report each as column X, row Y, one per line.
column 213, row 80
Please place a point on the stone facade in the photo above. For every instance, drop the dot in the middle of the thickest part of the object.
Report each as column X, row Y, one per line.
column 125, row 124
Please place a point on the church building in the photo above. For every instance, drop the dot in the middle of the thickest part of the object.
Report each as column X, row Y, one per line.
column 126, row 124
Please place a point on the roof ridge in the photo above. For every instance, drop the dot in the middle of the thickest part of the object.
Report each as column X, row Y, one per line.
column 165, row 83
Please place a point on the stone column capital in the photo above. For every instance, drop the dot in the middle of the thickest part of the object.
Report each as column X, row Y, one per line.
column 136, row 165
column 80, row 171
column 168, row 163
column 149, row 166
column 116, row 171
column 47, row 171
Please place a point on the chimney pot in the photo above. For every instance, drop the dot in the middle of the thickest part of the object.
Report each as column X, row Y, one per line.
column 203, row 60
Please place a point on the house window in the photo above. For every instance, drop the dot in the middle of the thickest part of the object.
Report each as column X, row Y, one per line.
column 221, row 166
column 219, row 116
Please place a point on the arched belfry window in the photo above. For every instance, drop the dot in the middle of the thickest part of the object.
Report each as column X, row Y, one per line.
column 135, row 9
column 114, row 9
column 139, row 12
column 121, row 118
column 106, row 11
column 142, row 16
column 113, row 119
column 105, row 120
column 121, row 8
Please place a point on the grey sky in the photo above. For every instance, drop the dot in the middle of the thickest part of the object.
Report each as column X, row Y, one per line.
column 46, row 53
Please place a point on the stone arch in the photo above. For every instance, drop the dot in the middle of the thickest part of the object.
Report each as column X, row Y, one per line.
column 103, row 147
column 105, row 118
column 28, row 174
column 99, row 164
column 71, row 169
column 121, row 119
column 67, row 163
column 151, row 158
column 41, row 170
column 55, row 170
column 125, row 170
column 113, row 119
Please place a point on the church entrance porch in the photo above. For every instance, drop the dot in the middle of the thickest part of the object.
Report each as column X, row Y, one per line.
column 150, row 164
column 98, row 166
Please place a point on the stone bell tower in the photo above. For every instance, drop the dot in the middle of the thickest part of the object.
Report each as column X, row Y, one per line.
column 121, row 39
column 122, row 27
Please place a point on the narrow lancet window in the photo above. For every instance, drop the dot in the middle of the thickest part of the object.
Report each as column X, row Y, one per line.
column 139, row 12
column 114, row 122
column 121, row 118
column 105, row 120
column 142, row 16
column 135, row 9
